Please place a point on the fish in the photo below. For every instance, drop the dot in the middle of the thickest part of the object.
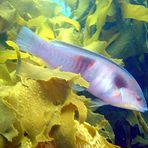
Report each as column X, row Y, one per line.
column 109, row 83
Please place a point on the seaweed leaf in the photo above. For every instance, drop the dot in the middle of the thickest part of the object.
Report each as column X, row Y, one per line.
column 45, row 32
column 98, row 18
column 7, row 15
column 26, row 143
column 130, row 11
column 47, row 99
column 136, row 118
column 36, row 22
column 7, row 121
column 81, row 8
column 79, row 135
column 101, row 124
column 29, row 71
column 10, row 55
column 69, row 35
column 23, row 101
column 59, row 20
column 98, row 46
column 5, row 77
column 87, row 136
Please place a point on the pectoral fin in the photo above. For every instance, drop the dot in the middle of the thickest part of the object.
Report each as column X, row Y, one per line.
column 78, row 88
column 96, row 103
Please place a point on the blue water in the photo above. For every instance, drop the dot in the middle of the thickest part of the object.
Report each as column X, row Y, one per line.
column 65, row 9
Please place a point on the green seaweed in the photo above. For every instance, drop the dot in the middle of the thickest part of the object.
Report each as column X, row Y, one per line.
column 36, row 104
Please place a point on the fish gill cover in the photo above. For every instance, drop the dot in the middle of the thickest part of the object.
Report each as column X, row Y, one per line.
column 38, row 107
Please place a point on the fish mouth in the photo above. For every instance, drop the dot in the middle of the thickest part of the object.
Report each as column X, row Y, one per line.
column 133, row 107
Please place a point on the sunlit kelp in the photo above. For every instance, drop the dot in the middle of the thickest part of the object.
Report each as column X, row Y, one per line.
column 41, row 108
column 129, row 11
column 128, row 42
column 52, row 25
column 38, row 107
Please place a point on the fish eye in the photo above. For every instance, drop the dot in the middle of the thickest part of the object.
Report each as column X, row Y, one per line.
column 138, row 98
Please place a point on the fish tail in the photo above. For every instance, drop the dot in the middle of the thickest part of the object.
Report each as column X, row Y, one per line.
column 27, row 40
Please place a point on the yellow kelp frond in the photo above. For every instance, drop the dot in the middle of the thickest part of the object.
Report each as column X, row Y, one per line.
column 26, row 143
column 45, row 32
column 79, row 135
column 142, row 122
column 7, row 15
column 96, row 46
column 5, row 77
column 137, row 118
column 48, row 8
column 42, row 27
column 96, row 19
column 39, row 73
column 98, row 121
column 60, row 20
column 10, row 55
column 18, row 54
column 101, row 124
column 81, row 8
column 20, row 21
column 36, row 22
column 87, row 136
column 38, row 106
column 33, row 108
column 48, row 21
column 7, row 123
column 43, row 107
column 100, row 47
column 69, row 35
column 78, row 105
column 67, row 130
column 137, row 12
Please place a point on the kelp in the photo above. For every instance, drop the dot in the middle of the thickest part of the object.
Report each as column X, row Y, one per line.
column 128, row 26
column 142, row 122
column 39, row 109
column 100, row 123
column 98, row 19
column 7, row 15
column 135, row 118
column 81, row 8
column 52, row 26
column 39, row 102
column 130, row 11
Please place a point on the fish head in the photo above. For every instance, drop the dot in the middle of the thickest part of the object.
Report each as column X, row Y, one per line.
column 133, row 100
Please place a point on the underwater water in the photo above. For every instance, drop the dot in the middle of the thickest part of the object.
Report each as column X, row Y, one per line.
column 46, row 107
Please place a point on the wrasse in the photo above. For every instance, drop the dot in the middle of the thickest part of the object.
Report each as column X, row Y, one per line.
column 108, row 81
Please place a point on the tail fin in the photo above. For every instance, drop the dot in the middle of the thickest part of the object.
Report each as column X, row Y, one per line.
column 27, row 40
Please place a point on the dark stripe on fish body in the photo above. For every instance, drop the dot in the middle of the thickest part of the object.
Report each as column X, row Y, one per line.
column 119, row 81
column 82, row 64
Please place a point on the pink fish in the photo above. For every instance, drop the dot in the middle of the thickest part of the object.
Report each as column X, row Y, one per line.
column 109, row 82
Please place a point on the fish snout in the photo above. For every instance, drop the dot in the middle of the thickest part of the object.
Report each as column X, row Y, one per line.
column 131, row 100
